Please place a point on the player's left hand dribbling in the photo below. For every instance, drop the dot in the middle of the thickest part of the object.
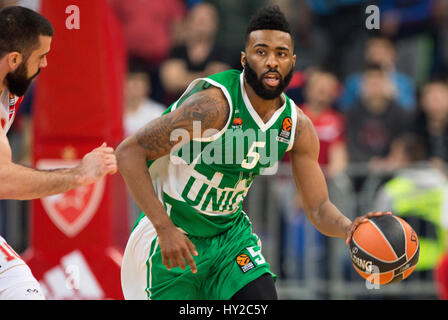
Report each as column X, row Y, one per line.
column 360, row 220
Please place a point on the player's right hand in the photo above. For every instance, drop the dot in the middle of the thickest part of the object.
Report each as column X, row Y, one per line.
column 96, row 164
column 360, row 220
column 176, row 248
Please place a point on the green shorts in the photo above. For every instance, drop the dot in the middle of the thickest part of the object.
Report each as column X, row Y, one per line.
column 226, row 263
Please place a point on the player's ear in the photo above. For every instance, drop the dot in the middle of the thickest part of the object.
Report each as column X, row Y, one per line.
column 243, row 58
column 14, row 59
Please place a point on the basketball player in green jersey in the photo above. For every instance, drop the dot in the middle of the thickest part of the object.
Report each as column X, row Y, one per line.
column 193, row 241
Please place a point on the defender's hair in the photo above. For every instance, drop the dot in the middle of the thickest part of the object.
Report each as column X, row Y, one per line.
column 268, row 18
column 20, row 29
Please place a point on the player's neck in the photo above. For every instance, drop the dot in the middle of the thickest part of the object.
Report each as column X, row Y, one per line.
column 262, row 106
column 2, row 84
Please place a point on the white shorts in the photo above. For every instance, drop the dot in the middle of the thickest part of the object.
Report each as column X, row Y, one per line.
column 134, row 271
column 16, row 279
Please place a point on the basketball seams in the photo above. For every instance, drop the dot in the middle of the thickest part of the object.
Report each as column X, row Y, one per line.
column 385, row 238
column 372, row 246
column 405, row 237
column 373, row 255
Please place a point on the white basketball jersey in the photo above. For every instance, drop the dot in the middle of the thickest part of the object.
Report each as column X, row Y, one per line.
column 16, row 279
column 8, row 108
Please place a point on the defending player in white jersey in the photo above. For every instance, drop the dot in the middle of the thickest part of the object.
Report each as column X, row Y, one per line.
column 25, row 38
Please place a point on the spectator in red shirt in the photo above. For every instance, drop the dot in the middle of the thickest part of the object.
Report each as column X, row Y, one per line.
column 148, row 26
column 151, row 28
column 321, row 92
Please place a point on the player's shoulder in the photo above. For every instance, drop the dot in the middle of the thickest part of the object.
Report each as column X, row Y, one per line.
column 304, row 131
column 226, row 75
column 303, row 121
column 208, row 105
column 208, row 100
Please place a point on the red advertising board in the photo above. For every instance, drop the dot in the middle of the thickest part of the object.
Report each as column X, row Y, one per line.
column 77, row 238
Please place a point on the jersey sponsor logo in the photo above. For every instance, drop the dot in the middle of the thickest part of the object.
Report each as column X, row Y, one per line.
column 200, row 193
column 244, row 262
column 237, row 123
column 33, row 292
column 72, row 211
column 12, row 105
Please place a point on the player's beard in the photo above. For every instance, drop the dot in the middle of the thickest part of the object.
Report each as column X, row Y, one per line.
column 18, row 81
column 257, row 82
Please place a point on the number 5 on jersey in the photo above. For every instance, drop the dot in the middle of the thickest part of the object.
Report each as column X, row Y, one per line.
column 256, row 254
column 253, row 154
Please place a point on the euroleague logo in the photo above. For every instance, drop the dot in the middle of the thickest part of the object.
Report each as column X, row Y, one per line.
column 242, row 259
column 287, row 124
column 244, row 262
column 285, row 133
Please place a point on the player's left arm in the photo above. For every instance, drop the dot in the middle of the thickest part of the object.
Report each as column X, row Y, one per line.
column 311, row 184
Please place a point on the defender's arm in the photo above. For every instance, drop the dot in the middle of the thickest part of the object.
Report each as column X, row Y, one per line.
column 22, row 183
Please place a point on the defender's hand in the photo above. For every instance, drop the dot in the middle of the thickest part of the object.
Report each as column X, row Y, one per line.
column 96, row 164
column 176, row 248
column 360, row 220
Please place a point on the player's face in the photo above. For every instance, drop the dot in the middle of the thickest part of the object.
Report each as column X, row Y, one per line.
column 38, row 58
column 268, row 62
column 19, row 80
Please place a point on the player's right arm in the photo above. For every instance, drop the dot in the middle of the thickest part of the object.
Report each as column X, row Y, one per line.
column 211, row 109
column 23, row 183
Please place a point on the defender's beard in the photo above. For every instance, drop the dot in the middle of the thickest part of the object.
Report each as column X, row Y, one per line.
column 18, row 82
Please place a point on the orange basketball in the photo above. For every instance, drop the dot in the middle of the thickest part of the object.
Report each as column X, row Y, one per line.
column 384, row 249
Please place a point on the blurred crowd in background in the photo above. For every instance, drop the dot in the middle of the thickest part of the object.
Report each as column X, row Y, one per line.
column 378, row 98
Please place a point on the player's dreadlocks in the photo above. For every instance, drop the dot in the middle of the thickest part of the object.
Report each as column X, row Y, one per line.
column 268, row 18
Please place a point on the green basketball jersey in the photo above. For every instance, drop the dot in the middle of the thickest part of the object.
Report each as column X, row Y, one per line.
column 203, row 182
